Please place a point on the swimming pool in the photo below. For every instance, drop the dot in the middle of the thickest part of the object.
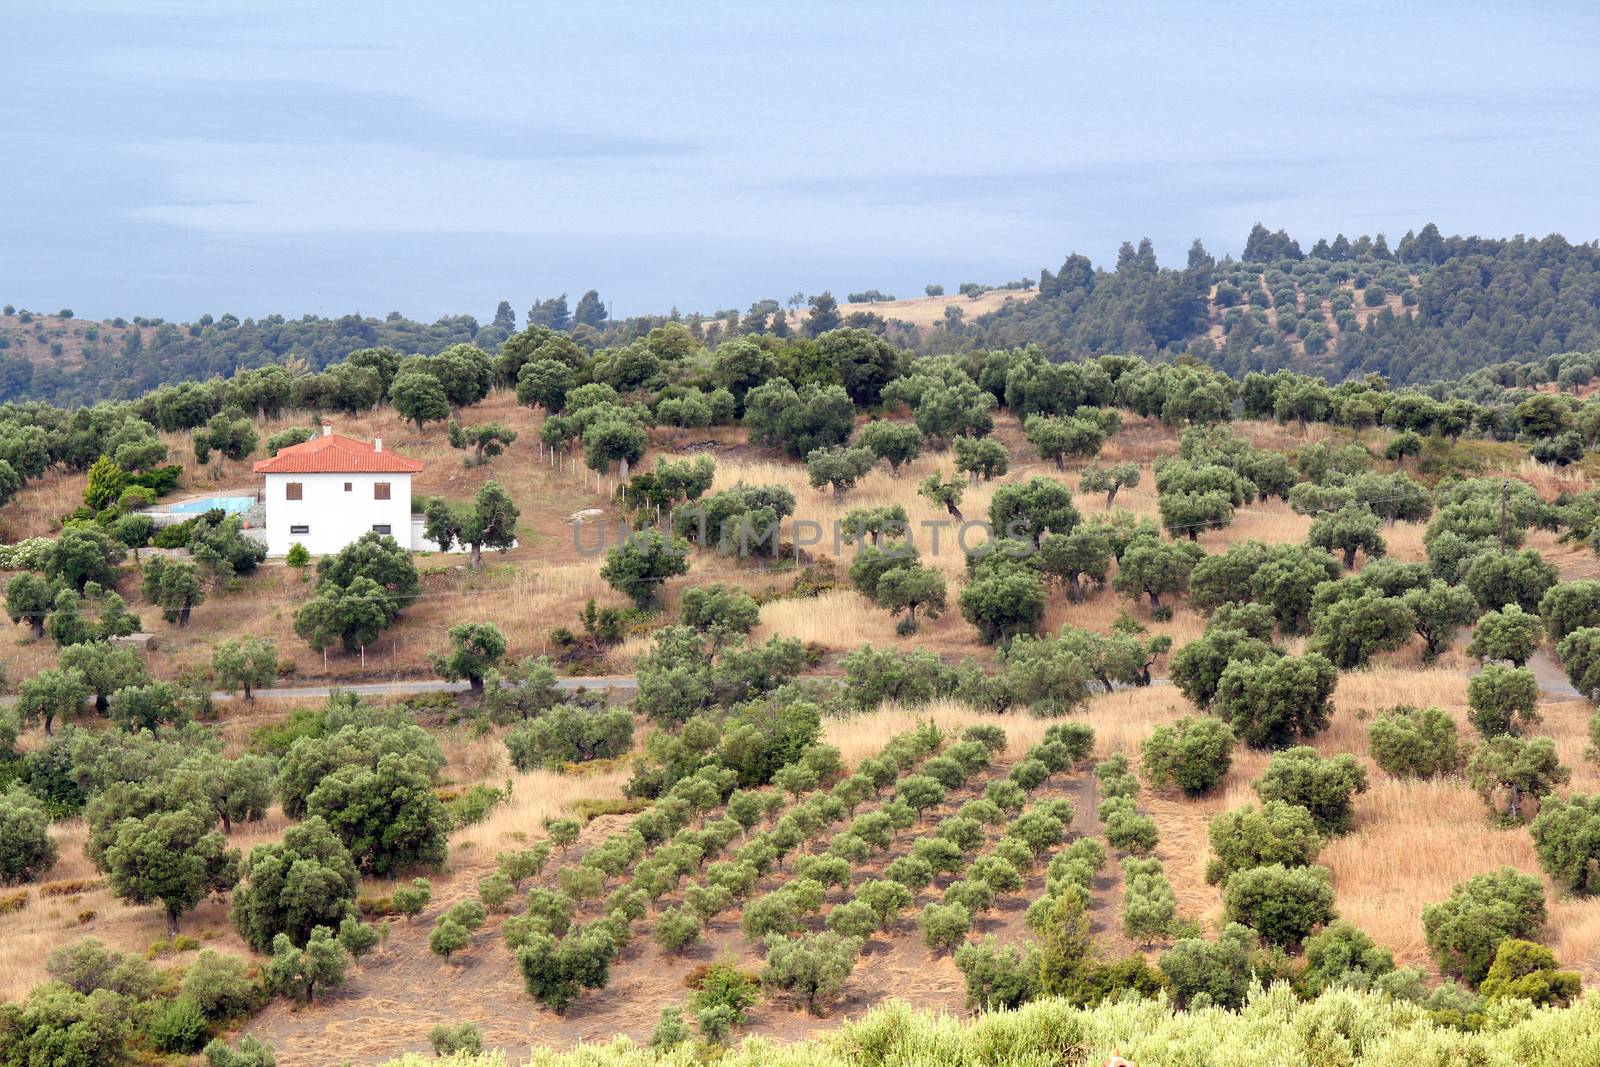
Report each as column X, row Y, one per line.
column 233, row 505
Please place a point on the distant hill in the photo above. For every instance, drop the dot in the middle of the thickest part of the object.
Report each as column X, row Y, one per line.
column 1434, row 308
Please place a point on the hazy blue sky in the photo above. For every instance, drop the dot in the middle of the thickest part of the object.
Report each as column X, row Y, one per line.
column 181, row 157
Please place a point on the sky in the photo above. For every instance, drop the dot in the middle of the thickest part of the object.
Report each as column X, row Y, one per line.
column 175, row 158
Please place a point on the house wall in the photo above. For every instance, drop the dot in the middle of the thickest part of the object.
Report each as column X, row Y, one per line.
column 333, row 516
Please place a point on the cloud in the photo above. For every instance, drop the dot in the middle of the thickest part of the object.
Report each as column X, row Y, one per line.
column 303, row 113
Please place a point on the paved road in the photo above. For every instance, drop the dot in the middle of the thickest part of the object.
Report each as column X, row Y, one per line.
column 322, row 692
column 313, row 692
column 1552, row 682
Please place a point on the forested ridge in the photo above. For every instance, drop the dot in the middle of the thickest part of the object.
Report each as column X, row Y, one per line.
column 1434, row 308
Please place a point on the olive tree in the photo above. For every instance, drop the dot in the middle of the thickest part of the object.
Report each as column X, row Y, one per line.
column 1414, row 742
column 1324, row 786
column 1351, row 529
column 1275, row 833
column 1508, row 633
column 1193, row 753
column 1282, row 904
column 1464, row 931
column 1108, row 480
column 1274, row 701
column 1503, row 700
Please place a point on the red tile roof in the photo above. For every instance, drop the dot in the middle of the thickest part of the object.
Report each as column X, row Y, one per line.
column 336, row 454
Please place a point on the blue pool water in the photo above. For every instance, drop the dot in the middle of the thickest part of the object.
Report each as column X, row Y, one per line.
column 233, row 505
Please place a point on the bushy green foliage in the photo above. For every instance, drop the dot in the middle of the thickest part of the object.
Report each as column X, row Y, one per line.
column 1324, row 786
column 307, row 880
column 1193, row 753
column 997, row 978
column 1465, row 931
column 219, row 985
column 1342, row 956
column 813, row 967
column 1282, row 904
column 569, row 733
column 1566, row 835
column 1524, row 970
column 1276, row 833
column 26, row 847
column 1415, row 742
column 1272, row 702
column 1513, row 774
column 1503, row 700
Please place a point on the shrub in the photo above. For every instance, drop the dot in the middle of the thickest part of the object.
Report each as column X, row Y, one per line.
column 1413, row 742
column 1465, row 931
column 1523, row 970
column 409, row 900
column 670, row 1032
column 87, row 965
column 854, row 918
column 1502, row 700
column 998, row 873
column 774, row 913
column 1149, row 907
column 1566, row 835
column 1211, row 973
column 997, row 978
column 1341, row 956
column 676, row 929
column 1275, row 833
column 219, row 985
column 569, row 733
column 1282, row 904
column 1509, row 634
column 247, row 1053
column 813, row 967
column 1272, row 702
column 449, row 1040
column 1128, row 831
column 888, row 897
column 1324, row 787
column 1193, row 753
column 977, row 897
column 305, row 881
column 944, row 926
column 447, row 938
column 26, row 848
column 1514, row 774
column 178, row 1026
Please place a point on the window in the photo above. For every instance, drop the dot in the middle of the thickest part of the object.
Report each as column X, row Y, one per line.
column 347, row 487
column 380, row 490
column 293, row 491
column 381, row 528
column 299, row 529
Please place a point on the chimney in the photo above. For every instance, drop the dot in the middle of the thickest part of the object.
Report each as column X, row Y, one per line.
column 377, row 442
column 327, row 428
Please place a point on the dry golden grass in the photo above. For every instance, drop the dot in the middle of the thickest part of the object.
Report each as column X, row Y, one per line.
column 927, row 311
column 535, row 796
column 49, row 921
column 1413, row 841
column 865, row 734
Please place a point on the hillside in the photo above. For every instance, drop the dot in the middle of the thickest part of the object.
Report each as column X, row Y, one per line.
column 1190, row 682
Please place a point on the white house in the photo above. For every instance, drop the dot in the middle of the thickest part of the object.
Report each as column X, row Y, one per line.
column 328, row 491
